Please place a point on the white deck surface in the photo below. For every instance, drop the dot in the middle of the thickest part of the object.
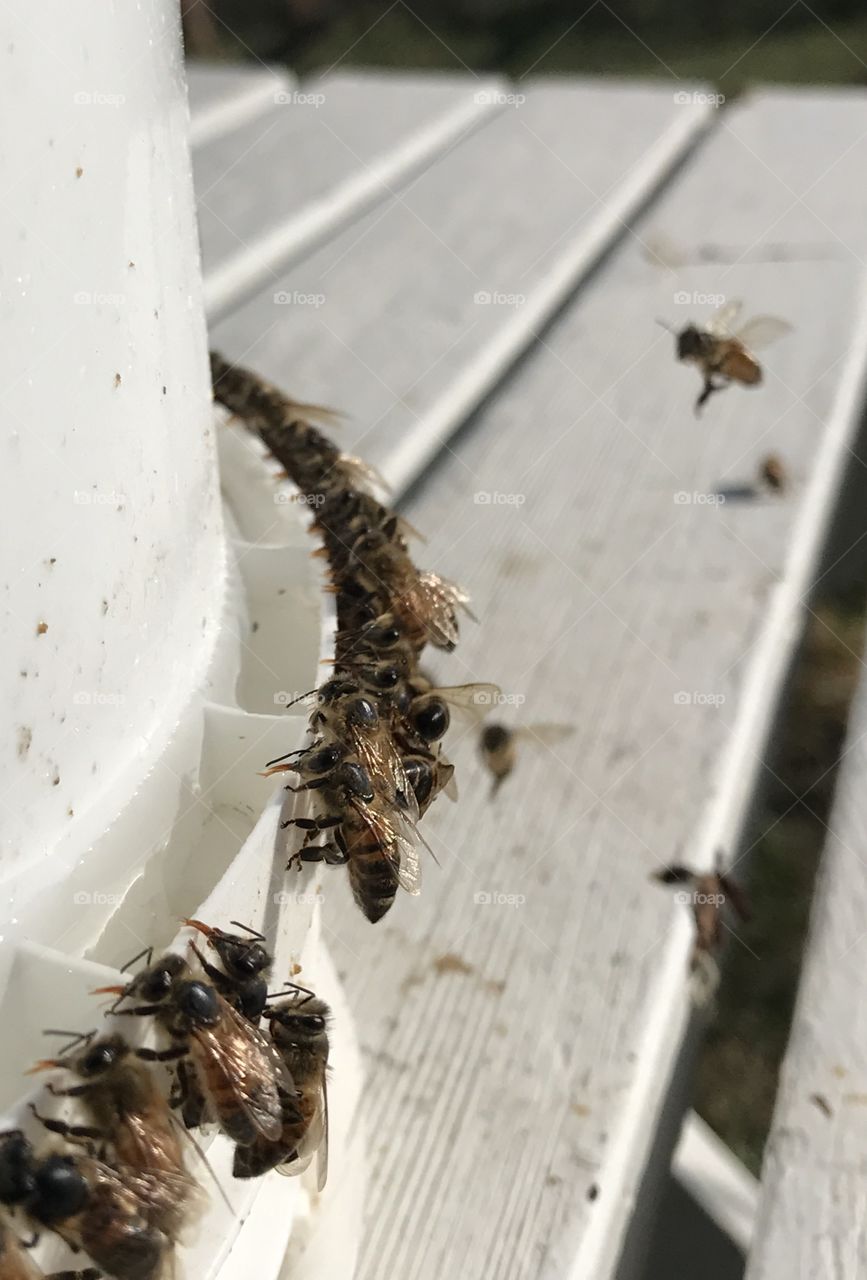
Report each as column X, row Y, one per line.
column 518, row 1049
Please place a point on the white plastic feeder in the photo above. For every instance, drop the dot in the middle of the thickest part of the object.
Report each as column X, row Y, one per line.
column 153, row 634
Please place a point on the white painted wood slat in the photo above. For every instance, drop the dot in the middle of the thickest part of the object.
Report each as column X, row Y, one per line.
column 398, row 326
column 520, row 1020
column 223, row 96
column 321, row 155
column 811, row 1218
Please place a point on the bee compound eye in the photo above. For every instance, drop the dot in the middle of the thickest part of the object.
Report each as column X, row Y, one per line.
column 198, row 1001
column 98, row 1059
column 431, row 720
column 62, row 1189
column 250, row 958
column 362, row 711
column 386, row 677
column 323, row 760
column 357, row 781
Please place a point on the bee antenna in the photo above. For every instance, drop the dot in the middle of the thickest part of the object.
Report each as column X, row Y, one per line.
column 253, row 932
column 148, row 952
column 300, row 698
column 288, row 756
column 288, row 988
column 666, row 325
column 74, row 1038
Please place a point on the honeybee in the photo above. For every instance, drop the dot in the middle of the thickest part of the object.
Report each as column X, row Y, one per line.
column 299, row 1030
column 346, row 715
column 236, row 1068
column 429, row 774
column 133, row 1117
column 498, row 745
column 311, row 460
column 428, row 715
column 724, row 356
column 424, row 604
column 246, row 964
column 712, row 891
column 89, row 1204
column 370, row 835
column 772, row 473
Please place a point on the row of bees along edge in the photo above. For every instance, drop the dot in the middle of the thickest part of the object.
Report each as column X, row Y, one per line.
column 374, row 763
column 113, row 1182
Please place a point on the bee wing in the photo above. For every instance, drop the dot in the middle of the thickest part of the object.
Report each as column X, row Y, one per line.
column 720, row 323
column 451, row 787
column 674, row 875
column 316, row 413
column 314, row 1144
column 761, row 331
column 408, row 531
column 394, row 835
column 159, row 1192
column 437, row 600
column 546, row 733
column 236, row 1044
column 474, row 699
column 737, row 897
column 362, row 475
column 378, row 753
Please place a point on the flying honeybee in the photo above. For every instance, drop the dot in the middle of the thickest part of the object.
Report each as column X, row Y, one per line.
column 235, row 1066
column 498, row 744
column 772, row 473
column 132, row 1117
column 88, row 1203
column 299, row 1029
column 712, row 891
column 723, row 355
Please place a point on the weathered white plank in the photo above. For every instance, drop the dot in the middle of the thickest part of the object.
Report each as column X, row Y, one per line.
column 223, row 96
column 321, row 155
column 521, row 208
column 812, row 1218
column 518, row 1046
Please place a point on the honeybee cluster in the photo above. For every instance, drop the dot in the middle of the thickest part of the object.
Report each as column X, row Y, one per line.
column 115, row 1184
column 375, row 762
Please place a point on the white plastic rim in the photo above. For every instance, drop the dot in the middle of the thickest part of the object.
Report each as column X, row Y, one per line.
column 153, row 635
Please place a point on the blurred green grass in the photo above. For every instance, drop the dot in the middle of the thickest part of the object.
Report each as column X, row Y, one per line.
column 740, row 1059
column 808, row 52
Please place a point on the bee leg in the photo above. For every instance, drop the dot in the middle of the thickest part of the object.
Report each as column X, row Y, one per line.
column 334, row 856
column 303, row 824
column 707, row 391
column 89, row 1273
column 74, row 1090
column 73, row 1132
column 162, row 1055
column 140, row 1011
column 216, row 975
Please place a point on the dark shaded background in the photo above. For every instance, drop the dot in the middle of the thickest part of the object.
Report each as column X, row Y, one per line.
column 731, row 43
